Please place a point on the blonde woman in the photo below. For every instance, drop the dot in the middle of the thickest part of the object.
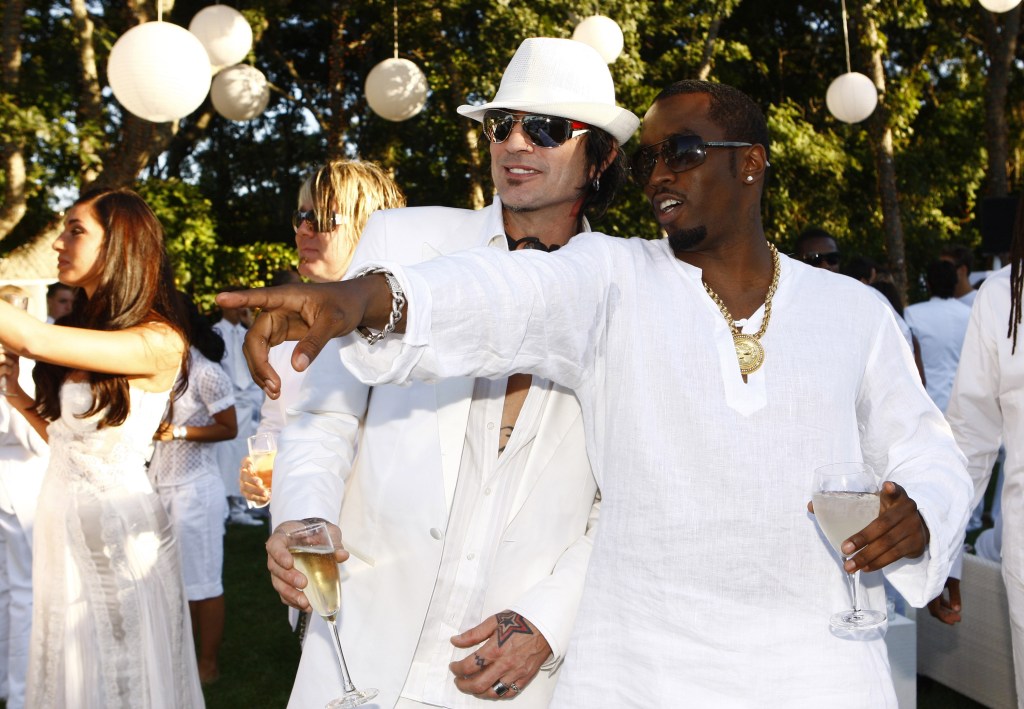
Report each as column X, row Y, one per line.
column 334, row 204
column 110, row 625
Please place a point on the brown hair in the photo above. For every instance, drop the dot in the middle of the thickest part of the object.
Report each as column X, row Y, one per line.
column 136, row 287
column 1016, row 274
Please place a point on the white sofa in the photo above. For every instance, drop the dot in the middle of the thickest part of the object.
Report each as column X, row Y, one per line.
column 974, row 657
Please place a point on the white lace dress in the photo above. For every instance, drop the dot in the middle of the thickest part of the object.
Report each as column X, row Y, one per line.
column 110, row 626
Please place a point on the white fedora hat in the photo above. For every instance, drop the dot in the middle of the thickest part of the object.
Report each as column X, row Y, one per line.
column 560, row 77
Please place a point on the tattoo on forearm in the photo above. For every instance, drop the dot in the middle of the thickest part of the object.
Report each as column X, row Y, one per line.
column 509, row 624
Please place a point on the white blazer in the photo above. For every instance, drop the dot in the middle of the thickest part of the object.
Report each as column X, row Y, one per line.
column 396, row 496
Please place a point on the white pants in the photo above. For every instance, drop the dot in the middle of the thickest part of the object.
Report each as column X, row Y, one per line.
column 15, row 606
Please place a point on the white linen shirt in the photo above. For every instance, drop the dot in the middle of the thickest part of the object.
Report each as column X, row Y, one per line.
column 709, row 579
column 940, row 325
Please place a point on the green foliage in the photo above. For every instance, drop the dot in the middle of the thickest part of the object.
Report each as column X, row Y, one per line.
column 225, row 189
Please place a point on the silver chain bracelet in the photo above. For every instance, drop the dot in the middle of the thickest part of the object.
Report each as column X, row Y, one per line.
column 397, row 303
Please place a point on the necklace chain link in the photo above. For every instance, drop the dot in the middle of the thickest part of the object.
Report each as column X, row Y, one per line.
column 749, row 351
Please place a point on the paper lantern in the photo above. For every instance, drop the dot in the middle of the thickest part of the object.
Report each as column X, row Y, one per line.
column 999, row 5
column 396, row 89
column 159, row 71
column 852, row 97
column 240, row 92
column 603, row 34
column 225, row 34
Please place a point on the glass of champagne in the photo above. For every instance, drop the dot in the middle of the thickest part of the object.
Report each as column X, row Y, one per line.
column 20, row 302
column 262, row 451
column 846, row 500
column 313, row 551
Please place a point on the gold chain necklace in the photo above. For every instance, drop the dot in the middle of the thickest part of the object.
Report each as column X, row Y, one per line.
column 749, row 351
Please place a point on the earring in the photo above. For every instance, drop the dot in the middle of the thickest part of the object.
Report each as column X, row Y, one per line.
column 750, row 178
column 596, row 184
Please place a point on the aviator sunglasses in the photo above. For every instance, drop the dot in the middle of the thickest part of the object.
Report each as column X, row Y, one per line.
column 320, row 221
column 679, row 153
column 543, row 131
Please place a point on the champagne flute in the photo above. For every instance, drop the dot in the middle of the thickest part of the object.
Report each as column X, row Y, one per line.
column 262, row 451
column 846, row 500
column 313, row 551
column 20, row 302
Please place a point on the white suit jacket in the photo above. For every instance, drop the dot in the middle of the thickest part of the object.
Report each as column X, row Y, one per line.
column 396, row 497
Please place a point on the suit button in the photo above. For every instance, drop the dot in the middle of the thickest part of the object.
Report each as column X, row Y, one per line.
column 435, row 533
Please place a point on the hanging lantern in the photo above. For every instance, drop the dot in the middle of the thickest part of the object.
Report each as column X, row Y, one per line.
column 999, row 5
column 240, row 92
column 159, row 71
column 225, row 34
column 396, row 89
column 603, row 34
column 851, row 97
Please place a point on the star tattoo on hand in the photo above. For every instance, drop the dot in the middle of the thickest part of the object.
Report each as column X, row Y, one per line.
column 509, row 624
column 479, row 660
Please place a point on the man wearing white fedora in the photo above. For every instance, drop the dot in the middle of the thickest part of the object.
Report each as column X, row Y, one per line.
column 467, row 507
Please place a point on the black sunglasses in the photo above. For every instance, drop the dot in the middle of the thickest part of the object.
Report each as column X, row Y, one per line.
column 831, row 258
column 543, row 131
column 321, row 222
column 679, row 153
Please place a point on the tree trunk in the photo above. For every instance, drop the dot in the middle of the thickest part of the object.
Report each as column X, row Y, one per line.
column 880, row 132
column 336, row 82
column 1001, row 48
column 12, row 156
column 708, row 56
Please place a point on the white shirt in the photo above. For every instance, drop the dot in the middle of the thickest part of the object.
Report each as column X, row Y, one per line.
column 940, row 325
column 708, row 580
column 483, row 497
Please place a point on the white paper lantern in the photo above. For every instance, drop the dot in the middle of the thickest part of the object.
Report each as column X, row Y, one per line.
column 603, row 34
column 240, row 92
column 851, row 97
column 999, row 5
column 225, row 34
column 159, row 71
column 396, row 89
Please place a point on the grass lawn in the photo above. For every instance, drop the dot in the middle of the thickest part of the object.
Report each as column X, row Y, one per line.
column 260, row 653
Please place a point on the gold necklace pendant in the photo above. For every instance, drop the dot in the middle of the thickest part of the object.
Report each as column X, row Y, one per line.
column 749, row 352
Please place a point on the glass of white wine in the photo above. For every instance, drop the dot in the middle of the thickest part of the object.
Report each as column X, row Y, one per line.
column 313, row 551
column 846, row 499
column 20, row 302
column 262, row 451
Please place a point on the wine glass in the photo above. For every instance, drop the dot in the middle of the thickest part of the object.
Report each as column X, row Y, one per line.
column 846, row 500
column 262, row 451
column 20, row 302
column 313, row 551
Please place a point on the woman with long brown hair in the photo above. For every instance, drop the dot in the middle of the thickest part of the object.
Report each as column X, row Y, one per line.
column 110, row 619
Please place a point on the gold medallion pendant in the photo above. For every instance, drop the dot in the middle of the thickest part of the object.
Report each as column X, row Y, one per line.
column 749, row 352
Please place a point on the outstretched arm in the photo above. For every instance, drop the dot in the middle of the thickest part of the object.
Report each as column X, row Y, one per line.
column 311, row 313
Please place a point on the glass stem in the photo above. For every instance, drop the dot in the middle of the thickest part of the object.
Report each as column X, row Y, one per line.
column 853, row 579
column 345, row 678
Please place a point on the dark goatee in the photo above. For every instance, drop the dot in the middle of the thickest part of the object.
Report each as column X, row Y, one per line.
column 682, row 240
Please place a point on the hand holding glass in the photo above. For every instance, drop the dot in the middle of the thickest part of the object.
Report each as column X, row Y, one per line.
column 21, row 302
column 846, row 500
column 262, row 451
column 313, row 551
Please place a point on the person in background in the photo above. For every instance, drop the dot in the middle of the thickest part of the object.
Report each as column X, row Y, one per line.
column 184, row 471
column 963, row 258
column 23, row 459
column 59, row 300
column 939, row 324
column 334, row 203
column 689, row 355
column 248, row 400
column 817, row 247
column 110, row 623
